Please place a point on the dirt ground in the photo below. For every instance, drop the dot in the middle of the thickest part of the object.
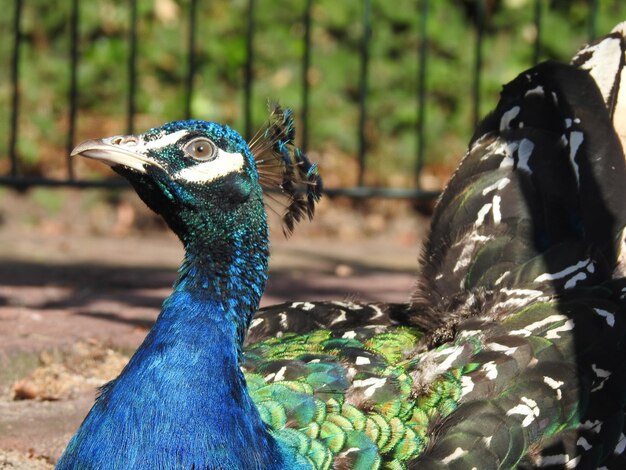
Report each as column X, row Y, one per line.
column 76, row 298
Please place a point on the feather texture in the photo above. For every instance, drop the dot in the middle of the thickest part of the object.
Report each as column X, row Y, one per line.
column 511, row 354
column 286, row 168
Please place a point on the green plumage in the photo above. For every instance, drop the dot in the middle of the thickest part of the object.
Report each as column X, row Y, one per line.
column 366, row 399
column 381, row 418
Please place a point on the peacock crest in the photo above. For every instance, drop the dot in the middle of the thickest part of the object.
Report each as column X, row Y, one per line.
column 285, row 169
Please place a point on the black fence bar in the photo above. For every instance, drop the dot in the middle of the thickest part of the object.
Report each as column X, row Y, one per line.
column 132, row 69
column 15, row 85
column 538, row 13
column 306, row 66
column 73, row 89
column 191, row 58
column 27, row 182
column 249, row 70
column 363, row 88
column 14, row 179
column 593, row 19
column 362, row 192
column 421, row 89
column 478, row 60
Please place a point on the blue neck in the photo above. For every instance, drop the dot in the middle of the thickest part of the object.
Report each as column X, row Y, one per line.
column 238, row 287
column 181, row 402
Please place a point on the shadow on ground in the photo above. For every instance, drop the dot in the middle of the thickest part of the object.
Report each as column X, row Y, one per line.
column 111, row 292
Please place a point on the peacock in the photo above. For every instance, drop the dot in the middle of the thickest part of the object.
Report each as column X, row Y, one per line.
column 521, row 289
column 511, row 353
column 182, row 400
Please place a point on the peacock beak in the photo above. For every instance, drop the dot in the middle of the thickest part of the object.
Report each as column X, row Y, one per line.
column 123, row 150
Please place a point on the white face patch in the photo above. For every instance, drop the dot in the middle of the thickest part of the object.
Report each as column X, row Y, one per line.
column 169, row 139
column 204, row 172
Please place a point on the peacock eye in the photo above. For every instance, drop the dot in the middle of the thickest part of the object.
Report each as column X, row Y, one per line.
column 201, row 149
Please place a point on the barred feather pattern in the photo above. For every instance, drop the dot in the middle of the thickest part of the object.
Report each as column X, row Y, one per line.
column 342, row 398
column 500, row 395
column 538, row 193
column 537, row 218
column 303, row 317
column 512, row 354
column 285, row 167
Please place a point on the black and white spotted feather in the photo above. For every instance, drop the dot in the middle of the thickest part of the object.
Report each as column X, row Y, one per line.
column 521, row 300
column 605, row 60
column 522, row 257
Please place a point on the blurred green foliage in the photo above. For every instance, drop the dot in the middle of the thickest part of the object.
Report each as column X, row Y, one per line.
column 337, row 31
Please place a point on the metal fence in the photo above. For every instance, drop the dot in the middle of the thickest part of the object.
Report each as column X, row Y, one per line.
column 17, row 180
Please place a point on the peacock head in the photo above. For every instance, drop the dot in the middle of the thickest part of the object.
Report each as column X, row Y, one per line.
column 207, row 182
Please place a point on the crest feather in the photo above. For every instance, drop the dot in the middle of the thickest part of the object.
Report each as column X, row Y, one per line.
column 285, row 168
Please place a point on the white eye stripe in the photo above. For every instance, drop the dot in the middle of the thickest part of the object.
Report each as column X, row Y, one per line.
column 164, row 141
column 205, row 172
column 223, row 164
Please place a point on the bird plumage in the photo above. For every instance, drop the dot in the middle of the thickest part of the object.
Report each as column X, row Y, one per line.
column 298, row 179
column 182, row 400
column 518, row 355
column 511, row 354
